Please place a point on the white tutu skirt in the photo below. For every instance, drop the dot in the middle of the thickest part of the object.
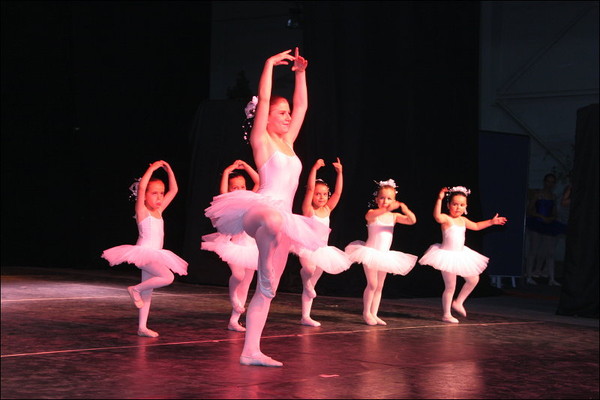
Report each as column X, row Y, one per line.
column 141, row 256
column 329, row 258
column 227, row 211
column 394, row 262
column 242, row 252
column 464, row 262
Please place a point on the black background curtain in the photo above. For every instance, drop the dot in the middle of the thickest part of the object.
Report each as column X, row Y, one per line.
column 393, row 92
column 579, row 295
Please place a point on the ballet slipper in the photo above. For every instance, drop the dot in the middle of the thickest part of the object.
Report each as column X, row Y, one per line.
column 259, row 359
column 530, row 281
column 308, row 321
column 380, row 321
column 552, row 282
column 235, row 326
column 450, row 319
column 147, row 333
column 459, row 308
column 135, row 296
column 369, row 319
column 310, row 290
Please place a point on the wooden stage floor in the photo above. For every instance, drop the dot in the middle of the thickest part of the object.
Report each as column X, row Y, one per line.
column 71, row 334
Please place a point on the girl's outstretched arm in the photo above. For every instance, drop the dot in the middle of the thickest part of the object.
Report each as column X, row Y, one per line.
column 307, row 208
column 477, row 226
column 339, row 185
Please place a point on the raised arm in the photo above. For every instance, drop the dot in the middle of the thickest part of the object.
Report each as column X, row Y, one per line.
column 173, row 188
column 224, row 188
column 339, row 185
column 258, row 135
column 251, row 173
column 440, row 217
column 307, row 208
column 300, row 99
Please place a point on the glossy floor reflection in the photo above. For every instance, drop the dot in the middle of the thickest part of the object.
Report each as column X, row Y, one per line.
column 72, row 334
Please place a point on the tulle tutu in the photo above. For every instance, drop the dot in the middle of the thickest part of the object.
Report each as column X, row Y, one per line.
column 464, row 262
column 227, row 210
column 329, row 258
column 394, row 262
column 141, row 256
column 237, row 250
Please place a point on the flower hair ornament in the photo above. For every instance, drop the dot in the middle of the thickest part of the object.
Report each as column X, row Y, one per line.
column 457, row 189
column 322, row 182
column 133, row 188
column 380, row 184
column 250, row 112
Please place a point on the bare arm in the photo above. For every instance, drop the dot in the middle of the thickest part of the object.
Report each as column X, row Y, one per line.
column 406, row 217
column 438, row 215
column 307, row 208
column 259, row 137
column 225, row 177
column 252, row 173
column 339, row 185
column 173, row 188
column 300, row 98
column 477, row 226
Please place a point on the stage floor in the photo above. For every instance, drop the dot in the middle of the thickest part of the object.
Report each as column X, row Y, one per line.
column 71, row 334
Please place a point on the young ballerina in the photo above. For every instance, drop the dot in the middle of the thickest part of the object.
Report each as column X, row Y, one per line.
column 238, row 251
column 156, row 263
column 452, row 257
column 318, row 204
column 375, row 255
column 267, row 215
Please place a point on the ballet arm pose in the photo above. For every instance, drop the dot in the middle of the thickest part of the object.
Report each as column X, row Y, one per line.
column 263, row 143
column 406, row 216
column 154, row 199
column 459, row 206
column 238, row 164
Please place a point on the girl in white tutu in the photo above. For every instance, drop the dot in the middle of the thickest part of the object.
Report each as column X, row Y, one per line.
column 318, row 204
column 452, row 257
column 267, row 214
column 375, row 255
column 156, row 263
column 238, row 251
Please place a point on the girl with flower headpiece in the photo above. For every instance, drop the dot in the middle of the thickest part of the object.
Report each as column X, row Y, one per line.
column 452, row 257
column 238, row 251
column 318, row 204
column 375, row 254
column 156, row 263
column 267, row 214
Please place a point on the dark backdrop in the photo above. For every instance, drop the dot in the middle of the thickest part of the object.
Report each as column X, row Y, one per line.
column 394, row 93
column 92, row 92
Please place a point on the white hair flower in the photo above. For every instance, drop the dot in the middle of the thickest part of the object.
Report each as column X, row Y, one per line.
column 460, row 189
column 250, row 109
column 133, row 188
column 389, row 182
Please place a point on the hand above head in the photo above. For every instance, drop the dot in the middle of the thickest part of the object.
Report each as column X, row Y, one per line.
column 281, row 58
column 442, row 193
column 319, row 163
column 300, row 63
column 337, row 165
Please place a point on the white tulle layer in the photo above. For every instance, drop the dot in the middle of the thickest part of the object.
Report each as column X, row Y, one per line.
column 141, row 256
column 243, row 253
column 394, row 262
column 465, row 262
column 227, row 211
column 329, row 258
